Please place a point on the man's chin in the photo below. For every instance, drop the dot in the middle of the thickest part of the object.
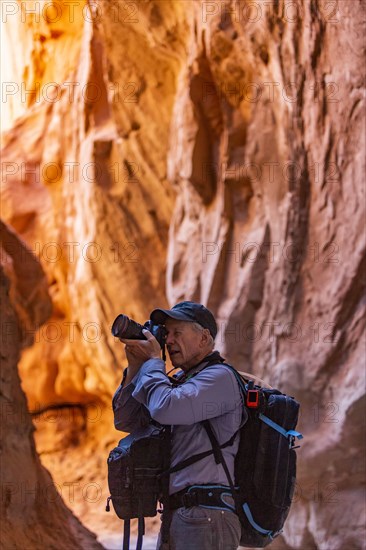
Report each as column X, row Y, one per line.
column 174, row 359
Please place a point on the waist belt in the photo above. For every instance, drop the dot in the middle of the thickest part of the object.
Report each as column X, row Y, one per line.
column 208, row 496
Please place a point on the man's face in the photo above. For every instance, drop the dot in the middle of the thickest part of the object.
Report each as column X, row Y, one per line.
column 186, row 345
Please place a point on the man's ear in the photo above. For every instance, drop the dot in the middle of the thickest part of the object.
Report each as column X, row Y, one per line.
column 205, row 336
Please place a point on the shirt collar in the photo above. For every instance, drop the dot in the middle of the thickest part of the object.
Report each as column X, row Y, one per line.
column 213, row 357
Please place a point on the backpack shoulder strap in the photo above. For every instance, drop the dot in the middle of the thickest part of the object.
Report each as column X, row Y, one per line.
column 219, row 458
column 195, row 458
column 216, row 360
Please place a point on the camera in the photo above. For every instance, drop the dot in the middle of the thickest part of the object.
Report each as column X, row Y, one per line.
column 124, row 327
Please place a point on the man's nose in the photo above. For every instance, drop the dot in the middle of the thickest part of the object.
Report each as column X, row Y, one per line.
column 169, row 339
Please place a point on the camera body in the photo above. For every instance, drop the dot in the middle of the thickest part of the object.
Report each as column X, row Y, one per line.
column 124, row 327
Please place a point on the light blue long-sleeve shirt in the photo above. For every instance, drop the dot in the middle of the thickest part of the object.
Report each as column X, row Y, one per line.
column 212, row 394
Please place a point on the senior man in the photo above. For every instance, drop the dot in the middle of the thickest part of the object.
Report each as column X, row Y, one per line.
column 202, row 390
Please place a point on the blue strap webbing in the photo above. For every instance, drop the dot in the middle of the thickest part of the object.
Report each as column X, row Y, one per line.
column 248, row 513
column 278, row 428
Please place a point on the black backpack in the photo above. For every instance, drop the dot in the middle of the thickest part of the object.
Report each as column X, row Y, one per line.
column 265, row 466
column 134, row 469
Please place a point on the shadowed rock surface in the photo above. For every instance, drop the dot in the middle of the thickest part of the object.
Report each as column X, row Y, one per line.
column 33, row 514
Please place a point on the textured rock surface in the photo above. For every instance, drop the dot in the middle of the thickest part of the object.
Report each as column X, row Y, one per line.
column 221, row 142
column 84, row 211
column 32, row 512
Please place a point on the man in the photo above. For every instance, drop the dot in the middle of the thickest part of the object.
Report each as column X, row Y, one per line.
column 199, row 394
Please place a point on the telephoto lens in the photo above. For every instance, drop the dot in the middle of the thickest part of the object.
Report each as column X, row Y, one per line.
column 124, row 327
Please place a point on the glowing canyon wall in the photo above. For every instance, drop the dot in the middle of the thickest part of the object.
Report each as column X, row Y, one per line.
column 197, row 150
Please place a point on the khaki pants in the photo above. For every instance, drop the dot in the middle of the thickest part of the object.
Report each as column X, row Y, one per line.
column 199, row 528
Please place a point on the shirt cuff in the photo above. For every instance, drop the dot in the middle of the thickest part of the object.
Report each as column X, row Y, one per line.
column 145, row 374
column 132, row 382
column 151, row 365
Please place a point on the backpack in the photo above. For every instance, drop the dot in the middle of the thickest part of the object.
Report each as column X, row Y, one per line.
column 264, row 472
column 265, row 464
column 134, row 467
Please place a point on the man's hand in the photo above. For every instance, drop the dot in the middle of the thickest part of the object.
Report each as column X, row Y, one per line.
column 139, row 351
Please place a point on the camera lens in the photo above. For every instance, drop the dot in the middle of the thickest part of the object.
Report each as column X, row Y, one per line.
column 124, row 327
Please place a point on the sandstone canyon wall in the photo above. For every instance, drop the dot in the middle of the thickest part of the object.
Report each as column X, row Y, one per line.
column 33, row 514
column 198, row 150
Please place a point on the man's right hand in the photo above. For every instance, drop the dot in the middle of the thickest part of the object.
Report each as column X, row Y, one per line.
column 139, row 351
